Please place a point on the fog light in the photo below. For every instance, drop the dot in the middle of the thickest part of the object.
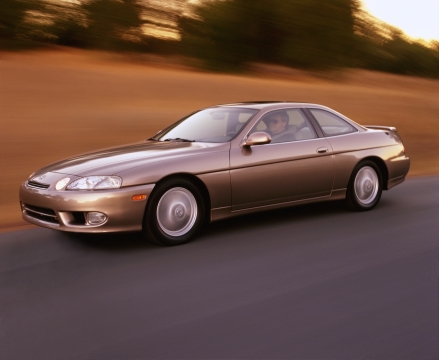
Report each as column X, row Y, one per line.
column 96, row 218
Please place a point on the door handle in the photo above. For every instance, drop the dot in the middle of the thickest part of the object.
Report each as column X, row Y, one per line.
column 322, row 150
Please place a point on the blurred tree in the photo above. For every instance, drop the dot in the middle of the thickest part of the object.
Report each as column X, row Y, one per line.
column 221, row 33
column 12, row 14
column 69, row 32
column 410, row 58
column 224, row 34
column 69, row 26
column 160, row 18
column 319, row 34
column 112, row 23
column 385, row 48
column 306, row 33
column 160, row 24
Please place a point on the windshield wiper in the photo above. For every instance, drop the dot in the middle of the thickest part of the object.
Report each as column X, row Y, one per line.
column 179, row 140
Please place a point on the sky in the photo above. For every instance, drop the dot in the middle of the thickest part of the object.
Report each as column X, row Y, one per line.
column 416, row 18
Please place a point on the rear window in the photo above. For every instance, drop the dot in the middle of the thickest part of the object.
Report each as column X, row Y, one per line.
column 332, row 124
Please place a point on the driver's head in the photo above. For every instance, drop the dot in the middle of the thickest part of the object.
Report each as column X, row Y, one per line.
column 276, row 121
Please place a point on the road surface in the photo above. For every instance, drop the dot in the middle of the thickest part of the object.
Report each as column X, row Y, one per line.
column 314, row 281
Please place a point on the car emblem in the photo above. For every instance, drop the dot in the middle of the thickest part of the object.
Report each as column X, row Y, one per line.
column 39, row 178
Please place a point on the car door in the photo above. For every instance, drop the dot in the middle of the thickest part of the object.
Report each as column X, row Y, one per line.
column 281, row 171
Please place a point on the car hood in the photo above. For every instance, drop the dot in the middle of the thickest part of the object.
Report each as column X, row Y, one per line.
column 112, row 161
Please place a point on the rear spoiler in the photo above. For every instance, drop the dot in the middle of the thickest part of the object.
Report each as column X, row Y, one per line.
column 376, row 127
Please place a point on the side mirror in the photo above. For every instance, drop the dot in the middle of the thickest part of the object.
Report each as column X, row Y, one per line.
column 257, row 138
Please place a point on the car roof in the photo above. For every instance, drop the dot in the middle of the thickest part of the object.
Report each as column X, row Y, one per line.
column 265, row 104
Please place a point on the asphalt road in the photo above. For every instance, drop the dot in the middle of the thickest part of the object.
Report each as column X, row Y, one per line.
column 314, row 281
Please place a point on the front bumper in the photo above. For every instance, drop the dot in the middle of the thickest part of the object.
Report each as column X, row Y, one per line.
column 65, row 210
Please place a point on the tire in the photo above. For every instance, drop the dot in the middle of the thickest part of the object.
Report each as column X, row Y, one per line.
column 174, row 213
column 365, row 187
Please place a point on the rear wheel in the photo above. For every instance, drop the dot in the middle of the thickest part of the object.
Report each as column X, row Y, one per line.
column 365, row 187
column 174, row 213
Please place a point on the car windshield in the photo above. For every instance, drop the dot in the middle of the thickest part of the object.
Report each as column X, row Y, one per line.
column 217, row 125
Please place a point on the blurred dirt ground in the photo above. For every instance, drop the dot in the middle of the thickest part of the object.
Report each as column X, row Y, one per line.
column 58, row 103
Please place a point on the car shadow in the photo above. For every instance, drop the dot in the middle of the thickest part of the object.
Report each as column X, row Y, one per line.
column 275, row 217
column 120, row 242
column 114, row 242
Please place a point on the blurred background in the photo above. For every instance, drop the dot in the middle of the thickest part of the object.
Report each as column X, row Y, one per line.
column 224, row 35
column 77, row 75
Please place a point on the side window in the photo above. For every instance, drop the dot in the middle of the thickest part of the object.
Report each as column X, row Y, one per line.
column 285, row 126
column 331, row 124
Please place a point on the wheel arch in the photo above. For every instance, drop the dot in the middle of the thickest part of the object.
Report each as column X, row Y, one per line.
column 381, row 165
column 198, row 183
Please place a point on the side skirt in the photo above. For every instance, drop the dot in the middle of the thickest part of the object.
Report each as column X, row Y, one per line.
column 226, row 212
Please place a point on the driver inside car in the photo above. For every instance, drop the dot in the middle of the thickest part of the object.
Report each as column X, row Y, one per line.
column 278, row 128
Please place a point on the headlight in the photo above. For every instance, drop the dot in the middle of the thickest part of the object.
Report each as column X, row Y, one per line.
column 96, row 183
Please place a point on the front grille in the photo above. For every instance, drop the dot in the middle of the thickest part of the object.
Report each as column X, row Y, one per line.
column 37, row 185
column 39, row 213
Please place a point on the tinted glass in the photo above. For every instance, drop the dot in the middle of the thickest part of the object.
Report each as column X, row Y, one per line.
column 331, row 124
column 286, row 125
column 210, row 125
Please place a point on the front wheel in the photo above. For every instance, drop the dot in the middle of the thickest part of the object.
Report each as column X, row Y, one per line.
column 365, row 187
column 174, row 213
